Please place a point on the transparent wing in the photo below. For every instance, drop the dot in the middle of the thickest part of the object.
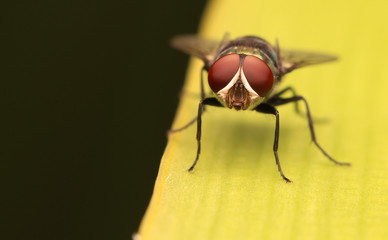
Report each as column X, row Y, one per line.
column 291, row 60
column 202, row 48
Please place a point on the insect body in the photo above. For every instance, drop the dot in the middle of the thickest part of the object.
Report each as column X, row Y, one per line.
column 244, row 74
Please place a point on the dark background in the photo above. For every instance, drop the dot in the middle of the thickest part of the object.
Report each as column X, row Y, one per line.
column 87, row 92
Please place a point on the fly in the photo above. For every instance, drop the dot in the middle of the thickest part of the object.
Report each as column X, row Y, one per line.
column 244, row 74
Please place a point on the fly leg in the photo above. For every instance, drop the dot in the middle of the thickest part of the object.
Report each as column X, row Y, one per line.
column 293, row 92
column 276, row 101
column 278, row 95
column 207, row 101
column 171, row 131
column 269, row 109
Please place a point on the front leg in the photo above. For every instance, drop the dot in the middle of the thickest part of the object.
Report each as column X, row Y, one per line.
column 171, row 131
column 269, row 109
column 272, row 100
column 207, row 101
column 281, row 101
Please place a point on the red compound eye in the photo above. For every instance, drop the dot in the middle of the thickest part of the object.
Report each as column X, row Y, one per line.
column 222, row 71
column 258, row 74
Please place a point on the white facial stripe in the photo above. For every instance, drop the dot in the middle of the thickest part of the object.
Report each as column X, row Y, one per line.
column 246, row 84
column 225, row 90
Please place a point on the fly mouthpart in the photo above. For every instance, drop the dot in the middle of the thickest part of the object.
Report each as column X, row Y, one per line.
column 238, row 97
column 237, row 106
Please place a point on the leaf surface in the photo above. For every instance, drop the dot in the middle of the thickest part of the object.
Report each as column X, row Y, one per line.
column 235, row 192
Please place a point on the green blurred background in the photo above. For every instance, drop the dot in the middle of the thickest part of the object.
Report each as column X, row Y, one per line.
column 88, row 90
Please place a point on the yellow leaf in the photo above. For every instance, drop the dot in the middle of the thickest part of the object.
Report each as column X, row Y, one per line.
column 235, row 191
